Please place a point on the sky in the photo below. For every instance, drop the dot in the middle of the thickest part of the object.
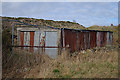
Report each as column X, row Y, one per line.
column 84, row 13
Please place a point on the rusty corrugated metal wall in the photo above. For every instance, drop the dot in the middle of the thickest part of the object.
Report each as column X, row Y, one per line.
column 22, row 39
column 32, row 41
column 78, row 40
column 93, row 39
column 47, row 40
column 70, row 40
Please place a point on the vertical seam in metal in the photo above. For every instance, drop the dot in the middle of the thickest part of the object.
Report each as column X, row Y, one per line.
column 12, row 37
column 63, row 37
column 39, row 42
column 77, row 41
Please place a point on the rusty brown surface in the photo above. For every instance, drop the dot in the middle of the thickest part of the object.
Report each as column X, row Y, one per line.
column 74, row 39
column 93, row 39
column 70, row 40
column 86, row 40
column 104, row 38
column 81, row 41
column 31, row 41
column 22, row 39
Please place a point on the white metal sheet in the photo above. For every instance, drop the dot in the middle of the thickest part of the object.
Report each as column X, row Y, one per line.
column 97, row 39
column 26, row 39
column 36, row 40
column 51, row 40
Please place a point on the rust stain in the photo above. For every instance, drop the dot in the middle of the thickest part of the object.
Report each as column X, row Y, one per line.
column 22, row 39
column 81, row 41
column 104, row 38
column 86, row 40
column 75, row 40
column 70, row 40
column 32, row 41
column 93, row 39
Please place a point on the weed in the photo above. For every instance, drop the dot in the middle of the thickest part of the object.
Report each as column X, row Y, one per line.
column 56, row 71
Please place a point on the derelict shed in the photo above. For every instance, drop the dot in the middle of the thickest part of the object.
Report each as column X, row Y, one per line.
column 51, row 40
column 78, row 40
column 39, row 39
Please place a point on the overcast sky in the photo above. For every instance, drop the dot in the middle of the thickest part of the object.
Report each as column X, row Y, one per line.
column 84, row 13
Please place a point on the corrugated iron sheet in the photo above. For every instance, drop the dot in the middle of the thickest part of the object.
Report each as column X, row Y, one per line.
column 36, row 41
column 108, row 38
column 74, row 39
column 93, row 39
column 47, row 41
column 86, row 40
column 98, row 40
column 32, row 41
column 81, row 40
column 26, row 39
column 22, row 39
column 70, row 38
column 104, row 38
column 51, row 40
column 111, row 38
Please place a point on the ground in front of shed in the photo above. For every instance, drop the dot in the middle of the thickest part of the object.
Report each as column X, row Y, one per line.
column 92, row 63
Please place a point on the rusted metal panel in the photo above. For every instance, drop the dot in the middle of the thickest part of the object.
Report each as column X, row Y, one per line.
column 47, row 41
column 22, row 39
column 95, row 36
column 86, row 40
column 104, row 38
column 108, row 38
column 81, row 41
column 32, row 41
column 93, row 39
column 70, row 40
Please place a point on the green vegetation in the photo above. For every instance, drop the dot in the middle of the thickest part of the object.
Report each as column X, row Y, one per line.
column 56, row 71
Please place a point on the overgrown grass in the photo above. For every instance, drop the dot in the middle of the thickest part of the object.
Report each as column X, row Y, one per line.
column 97, row 63
column 19, row 63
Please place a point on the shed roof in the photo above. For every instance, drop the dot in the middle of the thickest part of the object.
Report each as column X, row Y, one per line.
column 36, row 26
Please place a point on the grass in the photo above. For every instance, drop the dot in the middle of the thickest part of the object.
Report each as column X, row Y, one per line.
column 18, row 64
column 103, row 63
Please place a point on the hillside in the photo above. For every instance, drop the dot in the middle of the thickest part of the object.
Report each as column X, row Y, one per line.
column 42, row 22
